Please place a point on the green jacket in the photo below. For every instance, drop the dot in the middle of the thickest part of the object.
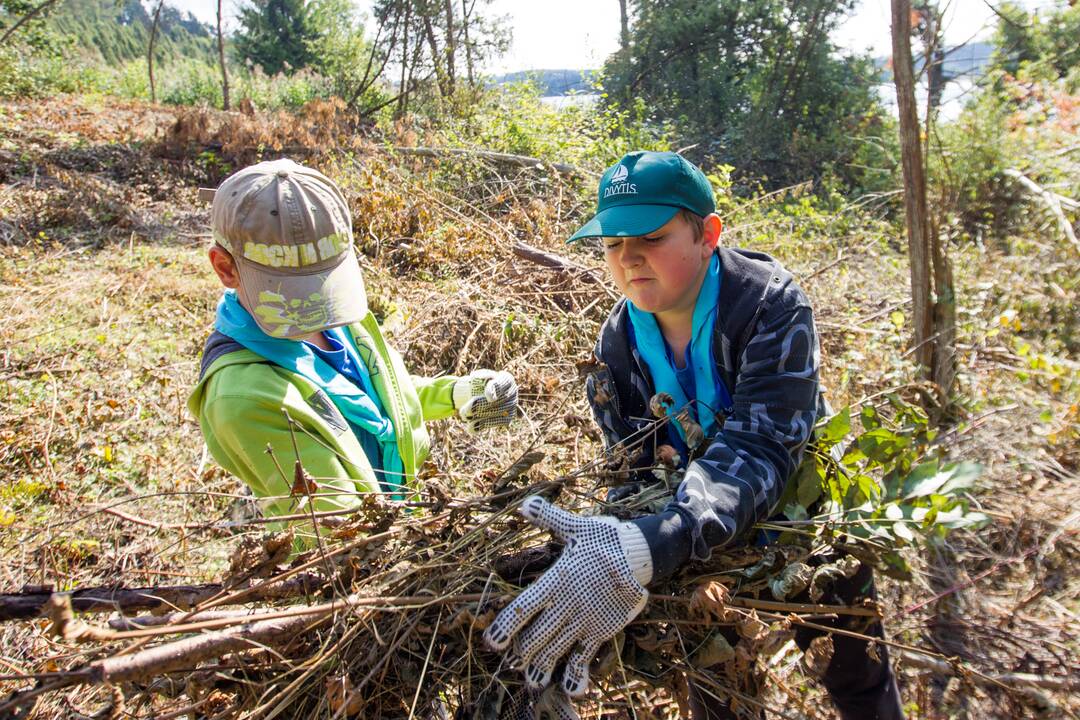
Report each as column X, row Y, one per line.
column 239, row 404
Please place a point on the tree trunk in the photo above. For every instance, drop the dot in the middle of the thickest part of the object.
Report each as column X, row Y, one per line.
column 150, row 50
column 915, row 207
column 943, row 373
column 221, row 61
column 433, row 46
column 451, row 45
column 624, row 25
column 468, row 45
column 403, row 88
column 934, row 57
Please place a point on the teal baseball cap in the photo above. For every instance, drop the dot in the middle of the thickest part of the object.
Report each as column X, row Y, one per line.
column 643, row 191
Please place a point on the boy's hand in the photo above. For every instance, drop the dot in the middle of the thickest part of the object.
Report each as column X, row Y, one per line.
column 530, row 704
column 486, row 399
column 591, row 592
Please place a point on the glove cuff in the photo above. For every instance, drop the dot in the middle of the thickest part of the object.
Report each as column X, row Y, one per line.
column 462, row 391
column 637, row 552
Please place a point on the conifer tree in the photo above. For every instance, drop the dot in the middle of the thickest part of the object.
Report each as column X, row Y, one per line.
column 276, row 35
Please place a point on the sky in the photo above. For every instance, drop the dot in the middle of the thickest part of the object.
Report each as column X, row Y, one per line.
column 582, row 33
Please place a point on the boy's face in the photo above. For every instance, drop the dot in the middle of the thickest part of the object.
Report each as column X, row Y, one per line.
column 662, row 272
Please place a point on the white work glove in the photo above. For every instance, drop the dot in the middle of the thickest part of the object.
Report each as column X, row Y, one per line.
column 592, row 591
column 486, row 399
column 529, row 704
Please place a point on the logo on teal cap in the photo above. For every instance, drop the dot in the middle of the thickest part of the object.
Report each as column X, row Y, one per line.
column 618, row 184
column 643, row 191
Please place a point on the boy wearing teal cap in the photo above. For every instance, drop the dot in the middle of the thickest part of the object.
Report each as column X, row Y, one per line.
column 297, row 367
column 730, row 338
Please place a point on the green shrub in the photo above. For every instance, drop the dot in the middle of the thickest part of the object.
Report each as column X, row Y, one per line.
column 514, row 119
column 279, row 91
column 23, row 74
column 192, row 82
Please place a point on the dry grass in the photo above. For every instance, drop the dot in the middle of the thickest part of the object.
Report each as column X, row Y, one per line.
column 107, row 300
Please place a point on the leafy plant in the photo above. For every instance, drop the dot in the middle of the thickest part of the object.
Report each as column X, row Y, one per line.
column 885, row 487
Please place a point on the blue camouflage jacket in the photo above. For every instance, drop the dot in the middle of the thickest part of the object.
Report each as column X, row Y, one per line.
column 767, row 355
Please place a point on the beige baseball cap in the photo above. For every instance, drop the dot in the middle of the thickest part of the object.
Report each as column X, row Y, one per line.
column 289, row 231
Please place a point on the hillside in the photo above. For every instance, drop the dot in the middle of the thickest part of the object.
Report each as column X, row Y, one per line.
column 553, row 82
column 115, row 32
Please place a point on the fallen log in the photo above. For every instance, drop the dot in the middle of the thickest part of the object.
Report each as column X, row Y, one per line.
column 34, row 603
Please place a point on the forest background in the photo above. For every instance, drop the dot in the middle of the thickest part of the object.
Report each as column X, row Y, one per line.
column 114, row 113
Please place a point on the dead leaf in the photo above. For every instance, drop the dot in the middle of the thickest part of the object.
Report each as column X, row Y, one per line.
column 751, row 627
column 710, row 601
column 817, row 657
column 668, row 456
column 342, row 698
column 715, row 651
column 303, row 484
column 660, row 404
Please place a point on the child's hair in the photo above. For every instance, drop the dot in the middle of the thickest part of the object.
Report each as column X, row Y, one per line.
column 695, row 221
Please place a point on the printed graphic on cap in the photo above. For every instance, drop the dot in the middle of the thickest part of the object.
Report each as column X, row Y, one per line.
column 618, row 185
column 277, row 255
column 279, row 315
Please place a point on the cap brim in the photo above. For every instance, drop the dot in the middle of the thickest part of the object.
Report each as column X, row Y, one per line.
column 626, row 221
column 287, row 305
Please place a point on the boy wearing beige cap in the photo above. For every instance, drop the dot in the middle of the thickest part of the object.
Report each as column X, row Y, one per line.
column 294, row 340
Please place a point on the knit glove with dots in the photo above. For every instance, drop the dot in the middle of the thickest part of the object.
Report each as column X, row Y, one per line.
column 531, row 704
column 486, row 399
column 592, row 591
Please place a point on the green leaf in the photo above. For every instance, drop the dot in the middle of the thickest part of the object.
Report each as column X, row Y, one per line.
column 902, row 531
column 853, row 456
column 869, row 418
column 796, row 512
column 837, row 427
column 959, row 518
column 867, row 486
column 811, row 481
column 882, row 444
column 964, row 475
column 925, row 479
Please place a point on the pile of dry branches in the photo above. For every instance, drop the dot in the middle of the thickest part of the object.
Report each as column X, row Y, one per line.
column 384, row 617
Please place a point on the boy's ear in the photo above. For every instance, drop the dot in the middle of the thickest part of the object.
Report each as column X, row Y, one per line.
column 224, row 266
column 713, row 227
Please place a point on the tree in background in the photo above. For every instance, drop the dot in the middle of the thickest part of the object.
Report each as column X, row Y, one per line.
column 438, row 40
column 1044, row 45
column 276, row 35
column 24, row 21
column 340, row 52
column 150, row 49
column 221, row 61
column 754, row 83
column 933, row 313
